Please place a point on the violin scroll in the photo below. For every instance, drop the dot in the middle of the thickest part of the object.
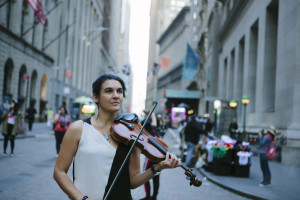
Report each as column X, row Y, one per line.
column 192, row 178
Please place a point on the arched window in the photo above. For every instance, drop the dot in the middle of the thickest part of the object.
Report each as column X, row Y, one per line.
column 7, row 83
column 8, row 71
column 22, row 83
column 33, row 85
column 44, row 87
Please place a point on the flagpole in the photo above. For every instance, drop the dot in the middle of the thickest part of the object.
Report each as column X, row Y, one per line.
column 36, row 22
column 4, row 3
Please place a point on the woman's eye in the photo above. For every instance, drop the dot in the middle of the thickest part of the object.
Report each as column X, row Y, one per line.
column 108, row 91
column 120, row 91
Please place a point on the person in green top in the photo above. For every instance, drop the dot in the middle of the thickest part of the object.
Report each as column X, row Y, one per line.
column 10, row 127
column 50, row 115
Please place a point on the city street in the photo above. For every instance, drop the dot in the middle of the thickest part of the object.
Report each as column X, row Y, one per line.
column 28, row 175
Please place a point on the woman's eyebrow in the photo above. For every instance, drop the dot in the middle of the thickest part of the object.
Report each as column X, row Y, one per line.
column 110, row 88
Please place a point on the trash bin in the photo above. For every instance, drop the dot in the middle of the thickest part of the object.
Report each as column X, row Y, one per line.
column 242, row 170
column 242, row 163
column 222, row 161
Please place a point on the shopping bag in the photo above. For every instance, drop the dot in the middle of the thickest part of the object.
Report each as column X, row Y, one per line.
column 271, row 152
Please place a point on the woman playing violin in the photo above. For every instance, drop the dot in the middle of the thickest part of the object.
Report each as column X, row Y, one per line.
column 96, row 156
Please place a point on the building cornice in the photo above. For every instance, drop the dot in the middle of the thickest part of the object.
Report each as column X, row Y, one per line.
column 232, row 18
column 174, row 24
column 24, row 46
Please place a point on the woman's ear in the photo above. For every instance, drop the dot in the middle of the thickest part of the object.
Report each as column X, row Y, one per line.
column 96, row 98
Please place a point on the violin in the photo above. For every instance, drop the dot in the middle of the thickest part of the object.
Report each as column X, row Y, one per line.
column 126, row 129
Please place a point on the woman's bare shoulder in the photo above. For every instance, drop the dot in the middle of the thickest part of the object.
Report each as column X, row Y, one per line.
column 75, row 128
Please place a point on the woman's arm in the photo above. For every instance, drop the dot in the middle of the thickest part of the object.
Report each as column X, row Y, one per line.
column 4, row 116
column 56, row 116
column 138, row 178
column 263, row 140
column 67, row 152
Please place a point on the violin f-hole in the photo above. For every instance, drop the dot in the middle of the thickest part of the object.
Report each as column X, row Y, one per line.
column 134, row 137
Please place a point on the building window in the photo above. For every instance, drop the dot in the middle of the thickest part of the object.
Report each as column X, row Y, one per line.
column 224, row 78
column 240, row 76
column 24, row 15
column 231, row 75
column 270, row 54
column 251, row 90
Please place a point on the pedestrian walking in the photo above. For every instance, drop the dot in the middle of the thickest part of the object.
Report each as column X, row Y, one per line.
column 191, row 132
column 97, row 156
column 62, row 122
column 10, row 127
column 30, row 114
column 264, row 144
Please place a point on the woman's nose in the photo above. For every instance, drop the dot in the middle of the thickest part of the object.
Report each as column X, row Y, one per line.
column 115, row 93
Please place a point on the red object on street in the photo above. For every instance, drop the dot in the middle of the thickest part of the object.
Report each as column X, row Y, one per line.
column 68, row 73
column 26, row 77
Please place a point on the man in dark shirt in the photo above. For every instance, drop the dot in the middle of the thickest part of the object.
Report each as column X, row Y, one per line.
column 31, row 111
column 191, row 132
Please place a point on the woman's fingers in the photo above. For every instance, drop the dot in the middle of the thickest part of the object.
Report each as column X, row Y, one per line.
column 172, row 161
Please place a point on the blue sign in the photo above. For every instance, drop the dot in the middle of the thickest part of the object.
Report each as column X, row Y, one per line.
column 126, row 70
column 190, row 64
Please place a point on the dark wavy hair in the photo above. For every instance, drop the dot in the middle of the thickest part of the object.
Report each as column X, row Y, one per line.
column 64, row 107
column 104, row 77
column 16, row 107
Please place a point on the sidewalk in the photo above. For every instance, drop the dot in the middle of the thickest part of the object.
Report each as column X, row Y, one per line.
column 37, row 128
column 284, row 184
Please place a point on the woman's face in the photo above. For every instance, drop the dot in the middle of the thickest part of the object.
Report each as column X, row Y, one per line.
column 12, row 105
column 62, row 110
column 111, row 96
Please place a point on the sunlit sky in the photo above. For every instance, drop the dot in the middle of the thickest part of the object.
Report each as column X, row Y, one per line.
column 138, row 51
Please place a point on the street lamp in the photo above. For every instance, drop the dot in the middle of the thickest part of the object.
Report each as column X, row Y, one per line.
column 233, row 103
column 245, row 101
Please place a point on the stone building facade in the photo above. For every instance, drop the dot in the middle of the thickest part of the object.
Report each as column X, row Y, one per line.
column 61, row 59
column 246, row 48
column 258, row 57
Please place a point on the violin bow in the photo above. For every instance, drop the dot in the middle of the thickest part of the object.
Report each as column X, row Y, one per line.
column 130, row 151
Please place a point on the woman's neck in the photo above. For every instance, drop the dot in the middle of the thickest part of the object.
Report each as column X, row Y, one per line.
column 104, row 118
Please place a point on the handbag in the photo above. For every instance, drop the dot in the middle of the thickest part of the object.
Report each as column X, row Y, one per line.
column 271, row 152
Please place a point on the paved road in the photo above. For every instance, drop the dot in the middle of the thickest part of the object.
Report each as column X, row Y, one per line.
column 28, row 175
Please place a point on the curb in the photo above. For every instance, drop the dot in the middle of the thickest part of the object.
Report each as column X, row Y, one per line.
column 20, row 137
column 239, row 192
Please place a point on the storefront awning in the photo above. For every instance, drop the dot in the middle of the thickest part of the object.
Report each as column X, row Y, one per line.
column 182, row 94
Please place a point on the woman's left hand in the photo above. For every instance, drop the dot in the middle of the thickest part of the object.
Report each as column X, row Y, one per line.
column 171, row 161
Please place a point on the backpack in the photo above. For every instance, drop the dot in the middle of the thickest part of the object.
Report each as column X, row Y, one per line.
column 271, row 152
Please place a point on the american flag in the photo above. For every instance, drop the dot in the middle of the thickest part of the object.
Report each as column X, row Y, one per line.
column 149, row 77
column 37, row 7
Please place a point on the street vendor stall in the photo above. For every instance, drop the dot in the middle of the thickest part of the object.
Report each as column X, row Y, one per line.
column 228, row 157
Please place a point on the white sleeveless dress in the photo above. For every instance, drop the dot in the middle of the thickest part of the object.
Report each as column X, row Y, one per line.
column 92, row 163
